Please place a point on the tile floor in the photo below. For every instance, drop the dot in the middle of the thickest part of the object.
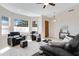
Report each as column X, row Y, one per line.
column 6, row 50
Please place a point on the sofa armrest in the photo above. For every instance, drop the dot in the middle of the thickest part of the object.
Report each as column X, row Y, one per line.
column 24, row 37
column 55, row 50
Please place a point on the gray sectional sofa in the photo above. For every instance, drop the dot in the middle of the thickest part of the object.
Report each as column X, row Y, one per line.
column 71, row 50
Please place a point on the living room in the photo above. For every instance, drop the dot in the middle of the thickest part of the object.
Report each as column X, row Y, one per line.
column 47, row 22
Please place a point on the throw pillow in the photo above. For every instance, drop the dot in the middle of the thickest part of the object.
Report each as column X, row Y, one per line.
column 16, row 36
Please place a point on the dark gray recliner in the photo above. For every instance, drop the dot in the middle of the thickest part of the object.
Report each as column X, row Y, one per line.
column 33, row 37
column 12, row 40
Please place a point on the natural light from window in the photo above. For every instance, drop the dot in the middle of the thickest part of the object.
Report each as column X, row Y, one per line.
column 5, row 25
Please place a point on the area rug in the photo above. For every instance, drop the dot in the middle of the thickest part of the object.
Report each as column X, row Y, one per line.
column 38, row 54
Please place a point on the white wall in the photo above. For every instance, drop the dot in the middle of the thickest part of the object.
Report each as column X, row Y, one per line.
column 51, row 27
column 12, row 16
column 66, row 18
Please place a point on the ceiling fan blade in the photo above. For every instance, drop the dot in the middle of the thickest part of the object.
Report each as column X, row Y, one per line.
column 44, row 6
column 52, row 4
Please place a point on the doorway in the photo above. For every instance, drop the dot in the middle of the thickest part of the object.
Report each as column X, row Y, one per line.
column 46, row 29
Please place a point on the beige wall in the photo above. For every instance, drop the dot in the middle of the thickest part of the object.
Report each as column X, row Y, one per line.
column 66, row 18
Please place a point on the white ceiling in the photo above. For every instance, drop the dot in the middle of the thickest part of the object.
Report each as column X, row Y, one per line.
column 33, row 9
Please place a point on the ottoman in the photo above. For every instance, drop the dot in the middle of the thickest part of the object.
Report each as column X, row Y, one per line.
column 23, row 43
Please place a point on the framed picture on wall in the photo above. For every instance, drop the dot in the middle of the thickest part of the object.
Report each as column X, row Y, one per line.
column 34, row 23
column 21, row 23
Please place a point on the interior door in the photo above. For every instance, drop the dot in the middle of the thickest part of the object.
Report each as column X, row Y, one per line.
column 46, row 28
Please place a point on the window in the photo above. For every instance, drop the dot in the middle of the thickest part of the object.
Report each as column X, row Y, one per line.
column 21, row 25
column 5, row 24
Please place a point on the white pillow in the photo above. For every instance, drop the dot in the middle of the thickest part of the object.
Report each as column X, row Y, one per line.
column 67, row 39
column 16, row 36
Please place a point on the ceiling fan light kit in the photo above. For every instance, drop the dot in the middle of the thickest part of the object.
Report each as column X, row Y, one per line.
column 46, row 3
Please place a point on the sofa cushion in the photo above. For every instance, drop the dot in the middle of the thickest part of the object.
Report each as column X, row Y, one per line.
column 76, row 53
column 75, row 42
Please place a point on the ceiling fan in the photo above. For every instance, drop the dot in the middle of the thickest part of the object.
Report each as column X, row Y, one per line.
column 52, row 4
